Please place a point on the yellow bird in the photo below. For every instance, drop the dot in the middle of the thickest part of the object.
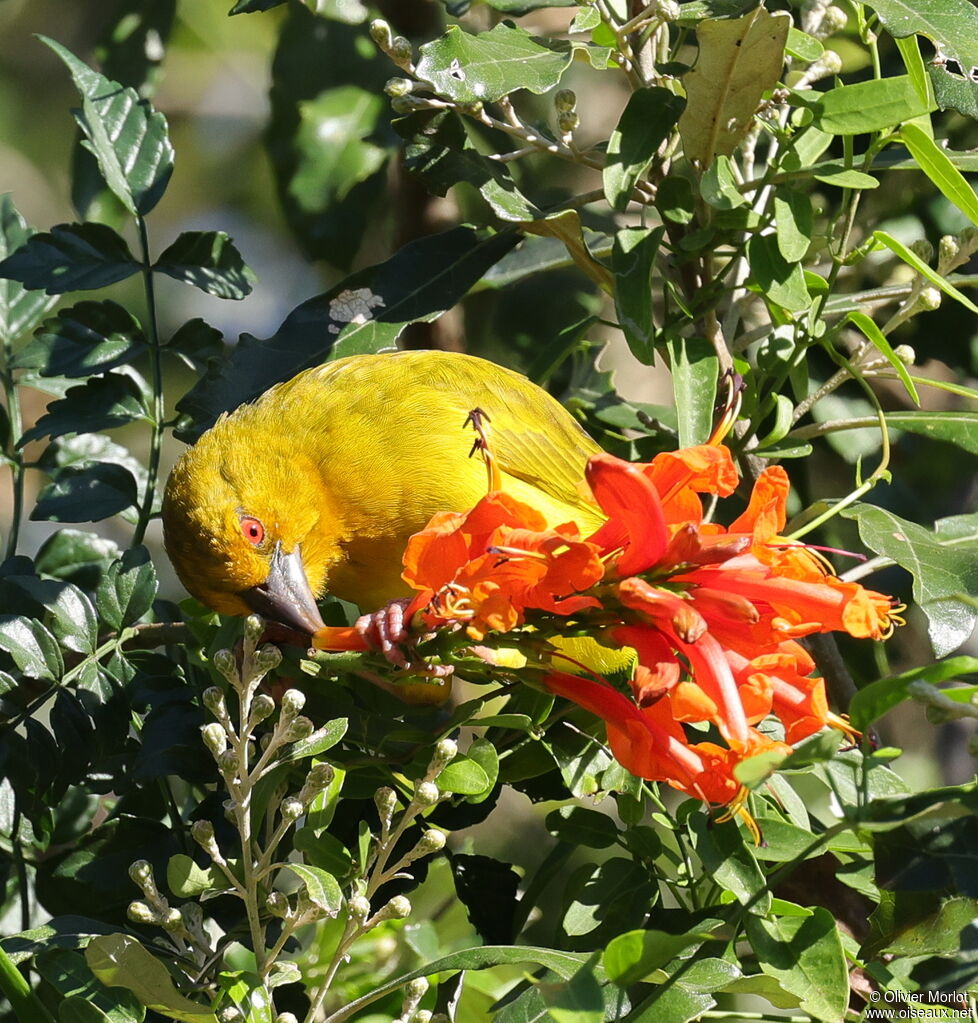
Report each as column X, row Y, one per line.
column 317, row 486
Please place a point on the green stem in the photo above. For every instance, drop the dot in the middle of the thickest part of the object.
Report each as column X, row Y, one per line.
column 26, row 1005
column 12, row 398
column 156, row 363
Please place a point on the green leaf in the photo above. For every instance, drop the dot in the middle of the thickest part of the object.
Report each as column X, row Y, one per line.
column 253, row 6
column 578, row 1000
column 101, row 403
column 673, row 1002
column 519, row 7
column 718, row 187
column 120, row 961
column 69, row 975
column 208, row 260
column 126, row 135
column 127, row 589
column 321, row 740
column 877, row 338
column 952, row 26
column 187, row 880
column 778, row 280
column 20, row 309
column 793, row 223
column 739, row 59
column 87, row 494
column 937, row 165
column 566, row 225
column 71, row 257
column 196, row 343
column 68, row 612
column 632, row 261
column 33, row 649
column 86, row 339
column 912, row 259
column 876, row 699
column 321, row 887
column 945, row 576
column 605, row 899
column 805, row 956
column 363, row 313
column 483, row 68
column 75, row 556
column 869, row 106
column 695, row 369
column 803, row 46
column 482, row 752
column 579, row 826
column 644, row 125
column 632, row 956
column 729, row 860
column 464, row 777
column 332, row 145
column 833, row 172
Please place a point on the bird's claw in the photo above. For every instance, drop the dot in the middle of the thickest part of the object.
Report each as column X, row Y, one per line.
column 386, row 632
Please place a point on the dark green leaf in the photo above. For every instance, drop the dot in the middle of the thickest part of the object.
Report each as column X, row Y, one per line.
column 674, row 200
column 487, row 888
column 519, row 7
column 363, row 313
column 579, row 826
column 632, row 956
column 20, row 309
column 127, row 589
column 644, row 125
column 251, row 6
column 793, row 223
column 673, row 1002
column 87, row 494
column 60, row 932
column 606, row 899
column 196, row 342
column 67, row 972
column 75, row 556
column 85, row 449
column 945, row 577
column 321, row 887
column 208, row 260
column 127, row 136
column 101, row 403
column 695, row 370
column 718, row 186
column 838, row 174
column 780, row 281
column 485, row 67
column 86, row 339
column 729, row 860
column 71, row 257
column 804, row 954
column 869, row 106
column 578, row 1000
column 33, row 649
column 321, row 740
column 632, row 261
column 67, row 611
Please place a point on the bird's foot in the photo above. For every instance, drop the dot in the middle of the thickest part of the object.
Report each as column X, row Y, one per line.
column 386, row 632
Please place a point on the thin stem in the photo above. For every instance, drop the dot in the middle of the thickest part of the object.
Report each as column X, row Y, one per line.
column 156, row 364
column 12, row 397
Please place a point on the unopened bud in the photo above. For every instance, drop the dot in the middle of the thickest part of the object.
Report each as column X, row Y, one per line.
column 359, row 907
column 301, row 728
column 969, row 238
column 229, row 1014
column 668, row 10
column 565, row 100
column 947, row 251
column 929, row 300
column 215, row 738
column 293, row 700
column 286, row 1017
column 140, row 913
column 922, row 248
column 432, row 841
column 568, row 122
column 834, row 21
column 905, row 354
column 172, row 922
column 141, row 873
column 262, row 706
column 473, row 109
column 213, row 700
column 400, row 51
column 381, row 34
column 414, row 991
column 277, row 904
column 399, row 908
column 385, row 799
column 319, row 776
column 227, row 762
column 402, row 104
column 446, row 750
column 422, row 1016
column 426, row 793
column 398, row 87
column 830, row 63
column 291, row 809
column 202, row 832
column 225, row 663
column 267, row 659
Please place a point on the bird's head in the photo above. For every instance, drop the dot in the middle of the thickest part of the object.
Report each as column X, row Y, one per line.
column 240, row 513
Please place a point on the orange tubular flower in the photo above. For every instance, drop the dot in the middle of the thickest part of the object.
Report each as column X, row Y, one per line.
column 712, row 613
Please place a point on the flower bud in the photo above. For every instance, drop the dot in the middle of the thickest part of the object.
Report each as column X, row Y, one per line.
column 422, row 1016
column 172, row 921
column 398, row 908
column 213, row 700
column 291, row 809
column 267, row 659
column 922, row 248
column 140, row 913
column 947, row 250
column 385, row 799
column 414, row 991
column 426, row 793
column 141, row 873
column 446, row 750
column 565, row 100
column 359, row 907
column 262, row 706
column 293, row 700
column 225, row 663
column 668, row 10
column 381, row 33
column 227, row 762
column 930, row 299
column 229, row 1014
column 969, row 238
column 400, row 50
column 301, row 728
column 905, row 354
column 202, row 832
column 215, row 738
column 568, row 122
column 834, row 21
column 254, row 627
column 277, row 904
column 432, row 841
column 319, row 776
column 398, row 87
column 286, row 1017
column 473, row 109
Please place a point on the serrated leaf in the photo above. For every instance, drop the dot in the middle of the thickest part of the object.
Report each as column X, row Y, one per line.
column 485, row 67
column 20, row 309
column 127, row 589
column 33, row 649
column 101, row 403
column 70, row 257
column 75, row 556
column 120, row 961
column 86, row 494
column 68, row 612
column 86, row 339
column 645, row 123
column 945, row 576
column 196, row 343
column 869, row 106
column 739, row 59
column 126, row 135
column 321, row 887
column 363, row 313
column 209, row 261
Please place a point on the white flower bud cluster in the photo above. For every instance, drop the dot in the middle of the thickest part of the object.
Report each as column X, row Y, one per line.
column 153, row 909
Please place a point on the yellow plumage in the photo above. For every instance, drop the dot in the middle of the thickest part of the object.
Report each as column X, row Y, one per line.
column 343, row 463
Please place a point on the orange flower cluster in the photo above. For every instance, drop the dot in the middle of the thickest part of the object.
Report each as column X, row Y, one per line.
column 714, row 613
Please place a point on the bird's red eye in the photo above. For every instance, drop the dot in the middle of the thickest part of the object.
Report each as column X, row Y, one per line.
column 254, row 531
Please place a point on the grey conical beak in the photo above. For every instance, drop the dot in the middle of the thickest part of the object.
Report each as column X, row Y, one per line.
column 285, row 596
